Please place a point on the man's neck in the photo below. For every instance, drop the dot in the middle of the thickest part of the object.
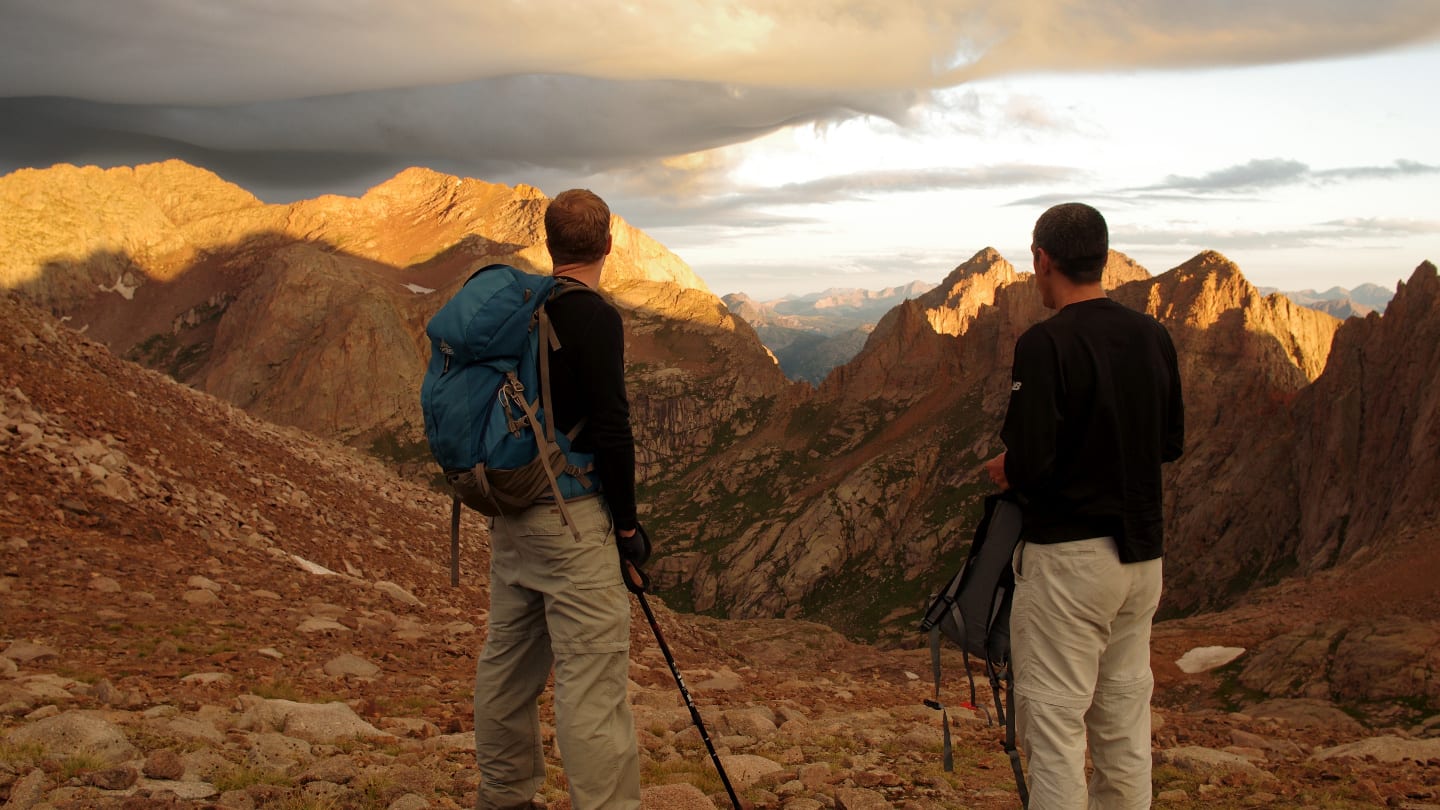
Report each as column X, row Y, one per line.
column 587, row 273
column 1067, row 294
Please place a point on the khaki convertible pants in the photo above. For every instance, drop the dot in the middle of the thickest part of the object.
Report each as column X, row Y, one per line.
column 1080, row 644
column 561, row 603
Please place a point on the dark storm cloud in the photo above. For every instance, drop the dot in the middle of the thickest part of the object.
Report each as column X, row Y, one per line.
column 281, row 95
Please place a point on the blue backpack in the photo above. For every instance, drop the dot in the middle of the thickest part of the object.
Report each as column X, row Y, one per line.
column 486, row 399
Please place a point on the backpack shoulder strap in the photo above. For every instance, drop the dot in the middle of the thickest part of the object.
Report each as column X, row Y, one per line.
column 564, row 285
column 455, row 540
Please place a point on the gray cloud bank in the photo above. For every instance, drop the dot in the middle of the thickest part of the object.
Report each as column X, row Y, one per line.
column 290, row 99
column 1272, row 172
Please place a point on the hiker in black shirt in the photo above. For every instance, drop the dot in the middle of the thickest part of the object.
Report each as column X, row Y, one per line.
column 1095, row 409
column 587, row 381
column 556, row 595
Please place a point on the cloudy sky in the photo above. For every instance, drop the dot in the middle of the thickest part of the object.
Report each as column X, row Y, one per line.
column 788, row 147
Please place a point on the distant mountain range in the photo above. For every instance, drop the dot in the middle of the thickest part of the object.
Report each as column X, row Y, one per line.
column 813, row 333
column 1340, row 302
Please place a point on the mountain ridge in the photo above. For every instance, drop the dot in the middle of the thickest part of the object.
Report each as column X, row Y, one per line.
column 130, row 497
column 783, row 499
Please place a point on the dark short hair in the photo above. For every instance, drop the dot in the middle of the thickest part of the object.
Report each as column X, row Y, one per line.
column 1077, row 239
column 577, row 227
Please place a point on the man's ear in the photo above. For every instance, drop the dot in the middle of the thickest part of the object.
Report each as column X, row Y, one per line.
column 609, row 243
column 1042, row 261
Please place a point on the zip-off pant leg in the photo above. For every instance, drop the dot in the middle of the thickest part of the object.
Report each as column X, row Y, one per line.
column 550, row 592
column 1080, row 638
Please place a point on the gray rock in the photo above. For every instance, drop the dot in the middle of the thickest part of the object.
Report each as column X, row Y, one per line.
column 187, row 728
column 203, row 583
column 325, row 793
column 398, row 593
column 52, row 687
column 318, row 624
column 753, row 722
column 316, row 722
column 75, row 733
column 113, row 778
column 1307, row 713
column 200, row 597
column 25, row 652
column 860, row 799
column 278, row 752
column 181, row 789
column 410, row 801
column 340, row 770
column 164, row 764
column 1385, row 749
column 350, row 665
column 682, row 796
column 464, row 741
column 1194, row 758
column 1284, row 748
column 815, row 775
column 417, row 727
column 42, row 713
column 1349, row 660
column 236, row 800
column 746, row 769
column 105, row 585
column 28, row 791
column 206, row 764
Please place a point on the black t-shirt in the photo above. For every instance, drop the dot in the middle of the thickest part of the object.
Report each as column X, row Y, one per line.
column 1095, row 408
column 587, row 381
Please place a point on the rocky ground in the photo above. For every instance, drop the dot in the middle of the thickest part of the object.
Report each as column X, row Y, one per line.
column 203, row 610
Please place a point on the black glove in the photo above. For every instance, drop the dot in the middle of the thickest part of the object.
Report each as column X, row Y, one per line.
column 634, row 549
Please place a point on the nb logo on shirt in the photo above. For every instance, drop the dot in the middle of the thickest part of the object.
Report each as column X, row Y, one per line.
column 1015, row 386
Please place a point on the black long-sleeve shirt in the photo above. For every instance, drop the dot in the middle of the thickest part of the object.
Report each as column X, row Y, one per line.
column 1095, row 408
column 587, row 381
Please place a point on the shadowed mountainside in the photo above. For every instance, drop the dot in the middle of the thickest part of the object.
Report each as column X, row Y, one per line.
column 203, row 609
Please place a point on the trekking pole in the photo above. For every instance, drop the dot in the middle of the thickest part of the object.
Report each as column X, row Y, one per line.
column 638, row 582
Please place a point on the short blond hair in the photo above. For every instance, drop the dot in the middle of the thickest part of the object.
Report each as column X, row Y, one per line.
column 577, row 227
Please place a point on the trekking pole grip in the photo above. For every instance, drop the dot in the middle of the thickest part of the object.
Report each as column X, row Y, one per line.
column 636, row 580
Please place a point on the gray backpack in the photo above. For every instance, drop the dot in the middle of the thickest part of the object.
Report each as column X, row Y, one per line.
column 973, row 611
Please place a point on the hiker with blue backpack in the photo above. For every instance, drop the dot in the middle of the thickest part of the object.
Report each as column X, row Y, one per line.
column 562, row 524
column 1095, row 409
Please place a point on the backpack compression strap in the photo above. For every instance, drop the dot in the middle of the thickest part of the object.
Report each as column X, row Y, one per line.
column 935, row 642
column 949, row 756
column 1006, row 710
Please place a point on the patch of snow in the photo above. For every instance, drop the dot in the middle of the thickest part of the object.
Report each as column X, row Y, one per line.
column 417, row 289
column 1201, row 659
column 127, row 291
